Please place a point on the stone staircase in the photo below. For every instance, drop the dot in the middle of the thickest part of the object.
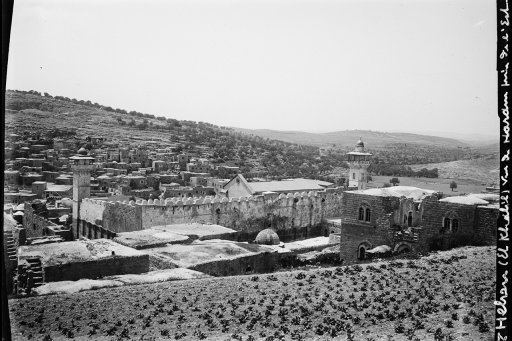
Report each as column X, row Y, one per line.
column 37, row 269
column 10, row 246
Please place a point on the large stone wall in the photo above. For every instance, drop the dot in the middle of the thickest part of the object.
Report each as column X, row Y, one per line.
column 285, row 213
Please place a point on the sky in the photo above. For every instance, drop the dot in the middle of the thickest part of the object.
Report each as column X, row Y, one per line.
column 307, row 65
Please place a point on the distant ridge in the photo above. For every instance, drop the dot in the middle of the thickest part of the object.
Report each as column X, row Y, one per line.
column 344, row 138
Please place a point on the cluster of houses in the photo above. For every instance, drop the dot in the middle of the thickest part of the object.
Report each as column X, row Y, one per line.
column 38, row 171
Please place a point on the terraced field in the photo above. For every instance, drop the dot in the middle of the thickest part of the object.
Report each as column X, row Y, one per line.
column 445, row 296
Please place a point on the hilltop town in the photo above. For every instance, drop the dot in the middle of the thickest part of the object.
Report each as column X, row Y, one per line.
column 103, row 198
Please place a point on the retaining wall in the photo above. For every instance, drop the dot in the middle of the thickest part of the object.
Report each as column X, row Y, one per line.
column 97, row 268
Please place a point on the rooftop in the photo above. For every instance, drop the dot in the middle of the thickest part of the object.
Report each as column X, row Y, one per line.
column 397, row 191
column 289, row 185
column 200, row 252
column 466, row 200
column 59, row 188
column 76, row 251
column 149, row 238
column 203, row 231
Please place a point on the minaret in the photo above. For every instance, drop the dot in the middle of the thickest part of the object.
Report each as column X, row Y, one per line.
column 82, row 167
column 359, row 161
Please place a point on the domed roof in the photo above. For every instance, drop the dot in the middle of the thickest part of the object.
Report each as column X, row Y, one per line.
column 267, row 237
column 360, row 143
column 82, row 151
column 67, row 202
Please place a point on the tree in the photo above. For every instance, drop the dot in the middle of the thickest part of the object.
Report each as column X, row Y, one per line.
column 394, row 181
column 453, row 185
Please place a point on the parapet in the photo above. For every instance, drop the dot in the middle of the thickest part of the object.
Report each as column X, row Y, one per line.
column 210, row 200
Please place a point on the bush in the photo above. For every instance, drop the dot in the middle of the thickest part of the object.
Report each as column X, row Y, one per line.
column 483, row 327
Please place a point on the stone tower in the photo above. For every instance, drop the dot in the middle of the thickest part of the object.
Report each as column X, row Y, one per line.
column 82, row 167
column 359, row 161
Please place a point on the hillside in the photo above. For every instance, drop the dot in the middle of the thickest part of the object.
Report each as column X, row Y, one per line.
column 348, row 138
column 44, row 117
column 484, row 170
column 446, row 296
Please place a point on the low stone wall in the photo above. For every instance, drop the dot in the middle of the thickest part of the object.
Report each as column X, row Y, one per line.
column 257, row 263
column 97, row 268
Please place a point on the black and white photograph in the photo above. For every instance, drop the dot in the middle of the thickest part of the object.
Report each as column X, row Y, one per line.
column 255, row 170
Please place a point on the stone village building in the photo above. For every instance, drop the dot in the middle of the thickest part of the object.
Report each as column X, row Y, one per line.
column 413, row 219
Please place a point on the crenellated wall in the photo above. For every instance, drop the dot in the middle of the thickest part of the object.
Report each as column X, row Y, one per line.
column 247, row 214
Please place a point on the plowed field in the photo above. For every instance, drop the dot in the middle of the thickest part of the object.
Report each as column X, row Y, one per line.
column 446, row 293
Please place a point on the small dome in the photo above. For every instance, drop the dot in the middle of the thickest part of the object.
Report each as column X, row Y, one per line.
column 360, row 143
column 66, row 202
column 267, row 237
column 82, row 151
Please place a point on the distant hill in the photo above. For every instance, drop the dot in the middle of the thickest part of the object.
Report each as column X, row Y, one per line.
column 346, row 138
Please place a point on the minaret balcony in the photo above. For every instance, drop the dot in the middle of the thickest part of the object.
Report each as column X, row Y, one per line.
column 359, row 162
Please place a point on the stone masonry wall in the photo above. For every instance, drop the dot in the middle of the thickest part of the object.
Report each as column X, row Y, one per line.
column 285, row 213
column 355, row 233
column 113, row 216
column 379, row 206
column 487, row 224
column 435, row 211
column 352, row 236
column 257, row 263
column 33, row 223
column 97, row 268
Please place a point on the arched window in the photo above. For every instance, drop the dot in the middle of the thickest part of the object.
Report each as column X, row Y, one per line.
column 446, row 223
column 353, row 175
column 368, row 215
column 455, row 225
column 409, row 219
column 361, row 213
column 405, row 218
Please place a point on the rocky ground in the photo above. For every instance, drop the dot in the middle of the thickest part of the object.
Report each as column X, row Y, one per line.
column 445, row 296
column 484, row 170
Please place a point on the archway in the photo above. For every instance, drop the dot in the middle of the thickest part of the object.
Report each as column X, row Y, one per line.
column 361, row 249
column 402, row 247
